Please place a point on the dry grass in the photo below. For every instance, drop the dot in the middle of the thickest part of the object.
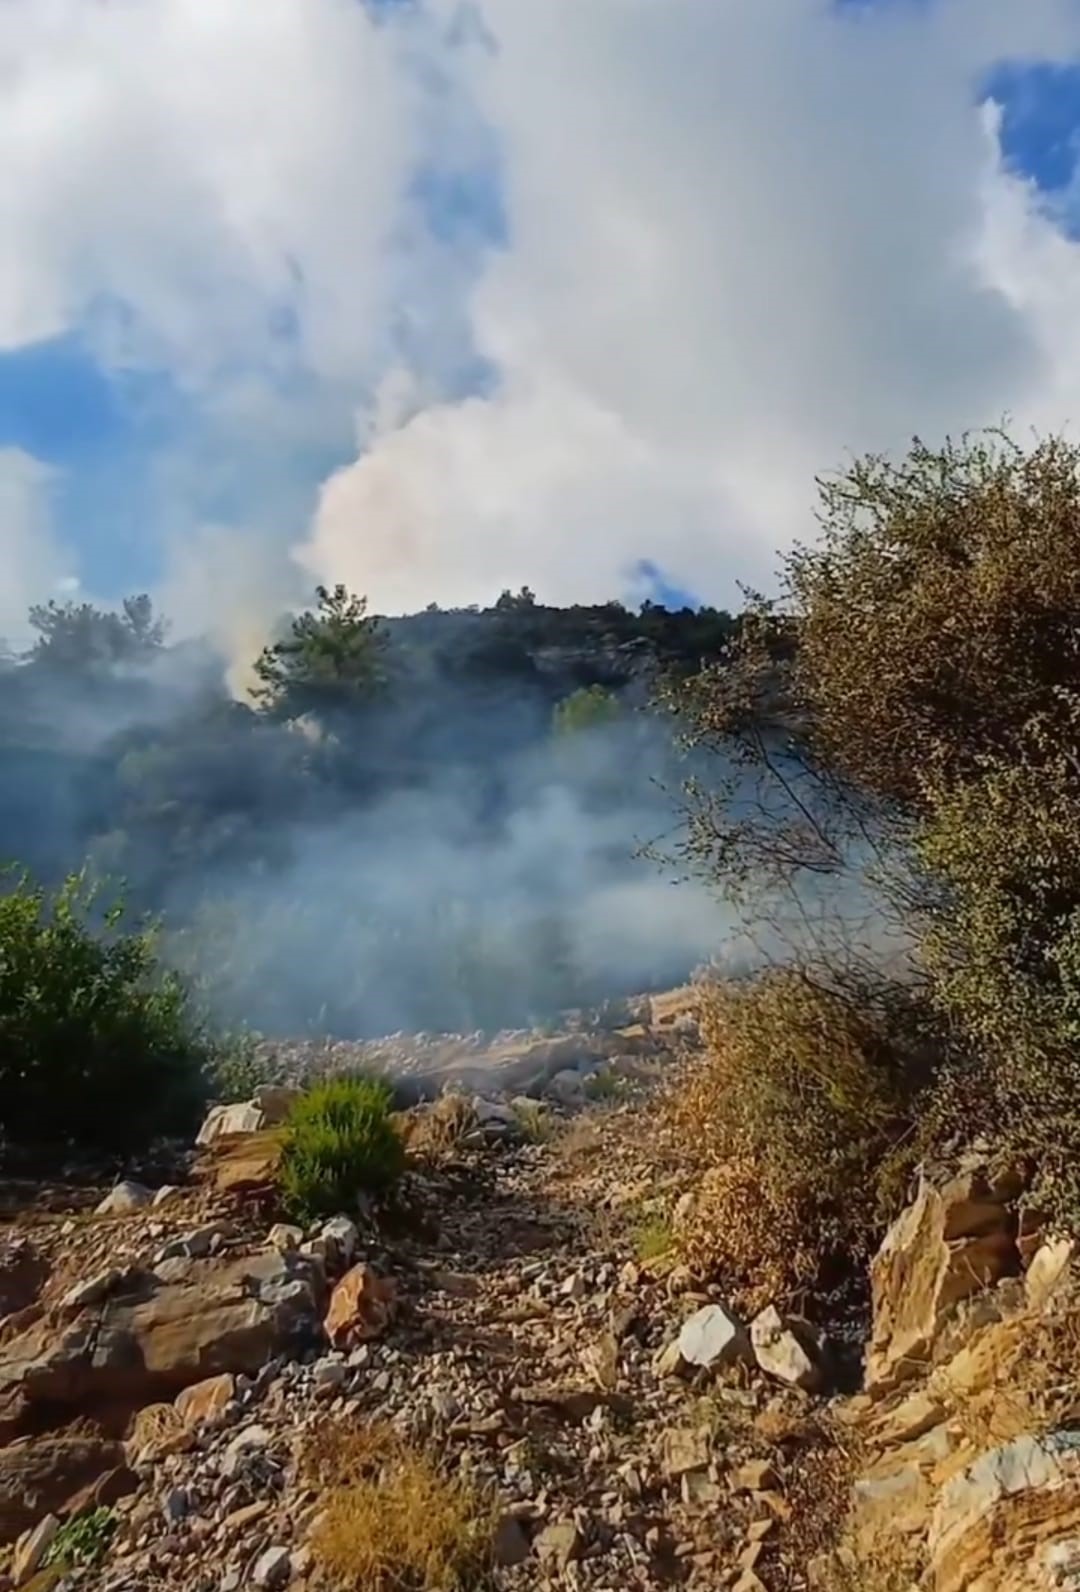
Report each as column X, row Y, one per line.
column 887, row 1562
column 156, row 1430
column 1018, row 1378
column 786, row 1125
column 392, row 1518
column 436, row 1130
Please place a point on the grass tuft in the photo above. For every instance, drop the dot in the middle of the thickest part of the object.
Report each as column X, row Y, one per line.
column 393, row 1519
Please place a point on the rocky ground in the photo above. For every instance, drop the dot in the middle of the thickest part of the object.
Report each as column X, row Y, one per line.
column 169, row 1357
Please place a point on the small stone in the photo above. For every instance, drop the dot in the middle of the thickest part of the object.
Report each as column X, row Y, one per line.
column 669, row 1361
column 273, row 1568
column 757, row 1475
column 205, row 1401
column 285, row 1238
column 574, row 1287
column 175, row 1505
column 226, row 1122
column 328, row 1375
column 1049, row 1265
column 698, row 1490
column 162, row 1196
column 250, row 1440
column 559, row 1544
column 342, row 1239
column 360, row 1308
column 684, row 1449
column 784, row 1353
column 32, row 1547
column 92, row 1291
column 199, row 1243
column 127, row 1196
column 713, row 1337
column 510, row 1545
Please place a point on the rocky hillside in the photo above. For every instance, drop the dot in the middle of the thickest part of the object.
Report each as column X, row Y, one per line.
column 502, row 1378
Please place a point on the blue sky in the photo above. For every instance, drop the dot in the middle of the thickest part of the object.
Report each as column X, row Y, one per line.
column 138, row 450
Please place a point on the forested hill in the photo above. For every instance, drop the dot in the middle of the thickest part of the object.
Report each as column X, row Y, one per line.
column 420, row 821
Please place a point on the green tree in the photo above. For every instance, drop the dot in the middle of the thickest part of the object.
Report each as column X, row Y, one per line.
column 79, row 637
column 330, row 661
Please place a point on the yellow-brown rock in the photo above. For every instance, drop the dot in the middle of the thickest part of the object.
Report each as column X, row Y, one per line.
column 949, row 1244
column 1009, row 1522
column 360, row 1307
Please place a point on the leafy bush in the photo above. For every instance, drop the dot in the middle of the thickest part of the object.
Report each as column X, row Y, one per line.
column 341, row 1142
column 586, row 709
column 83, row 1540
column 391, row 1518
column 98, row 1047
column 909, row 714
column 804, row 1097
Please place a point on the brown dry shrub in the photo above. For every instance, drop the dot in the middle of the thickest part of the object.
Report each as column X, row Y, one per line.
column 789, row 1124
column 392, row 1518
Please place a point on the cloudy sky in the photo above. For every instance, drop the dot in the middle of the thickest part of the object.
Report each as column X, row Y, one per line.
column 439, row 296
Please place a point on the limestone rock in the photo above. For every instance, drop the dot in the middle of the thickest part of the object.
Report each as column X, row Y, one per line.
column 784, row 1352
column 284, row 1237
column 342, row 1239
column 42, row 1474
column 1049, row 1266
column 273, row 1569
column 1002, row 1523
column 154, row 1338
column 684, row 1449
column 712, row 1338
column 247, row 1165
column 949, row 1244
column 127, row 1196
column 231, row 1121
column 205, row 1401
column 558, row 1544
column 32, row 1548
column 360, row 1307
column 92, row 1291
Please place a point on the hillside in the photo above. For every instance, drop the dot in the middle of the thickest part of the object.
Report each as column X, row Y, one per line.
column 506, row 1377
column 450, row 842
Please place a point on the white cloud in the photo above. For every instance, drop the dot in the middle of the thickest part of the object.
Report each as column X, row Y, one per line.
column 207, row 163
column 32, row 567
column 745, row 239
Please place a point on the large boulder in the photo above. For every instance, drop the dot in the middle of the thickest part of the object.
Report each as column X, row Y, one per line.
column 952, row 1242
column 247, row 1165
column 152, row 1338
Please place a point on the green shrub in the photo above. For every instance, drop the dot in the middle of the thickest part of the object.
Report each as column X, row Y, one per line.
column 98, row 1048
column 341, row 1142
column 83, row 1540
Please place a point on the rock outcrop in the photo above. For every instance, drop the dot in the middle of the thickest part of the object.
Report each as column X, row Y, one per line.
column 953, row 1242
column 150, row 1338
